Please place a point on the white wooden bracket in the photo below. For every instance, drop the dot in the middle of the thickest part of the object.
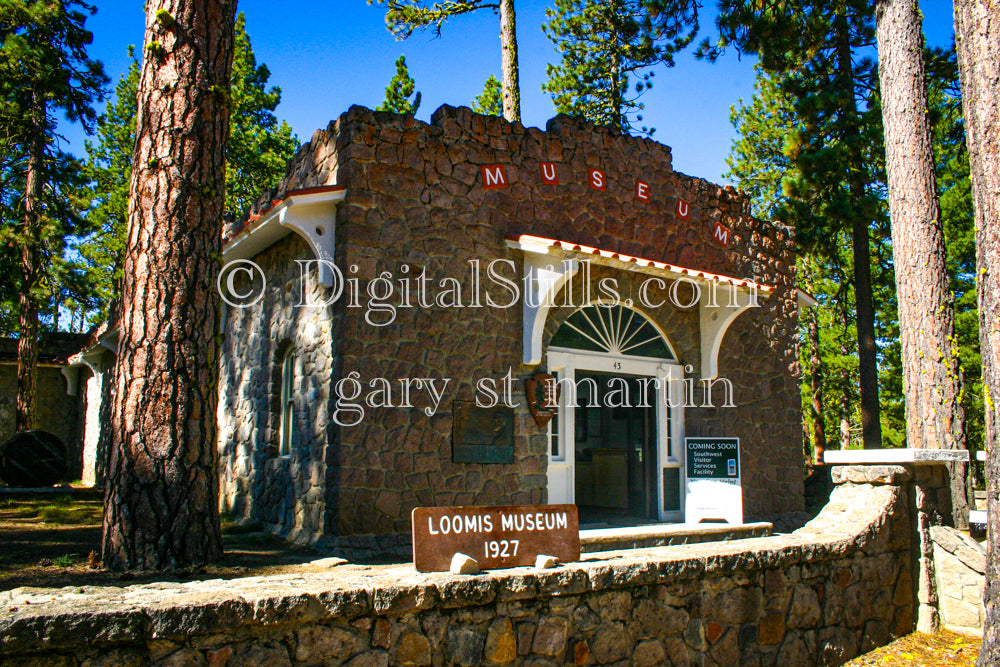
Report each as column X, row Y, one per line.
column 719, row 306
column 544, row 276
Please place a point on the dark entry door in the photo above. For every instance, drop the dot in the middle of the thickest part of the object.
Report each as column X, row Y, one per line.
column 615, row 448
column 642, row 462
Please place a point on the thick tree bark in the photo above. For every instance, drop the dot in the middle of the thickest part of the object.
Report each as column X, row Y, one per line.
column 511, row 73
column 977, row 39
column 932, row 377
column 30, row 260
column 871, row 425
column 161, row 507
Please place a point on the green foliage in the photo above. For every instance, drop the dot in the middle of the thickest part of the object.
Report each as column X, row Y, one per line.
column 833, row 190
column 109, row 165
column 955, row 190
column 43, row 51
column 44, row 68
column 771, row 128
column 403, row 17
column 258, row 151
column 399, row 90
column 165, row 19
column 607, row 48
column 66, row 560
column 490, row 101
column 757, row 160
column 259, row 146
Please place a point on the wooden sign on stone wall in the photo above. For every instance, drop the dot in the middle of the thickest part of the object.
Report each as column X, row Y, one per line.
column 497, row 537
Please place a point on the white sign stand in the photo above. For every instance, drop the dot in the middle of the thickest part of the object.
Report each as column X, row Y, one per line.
column 714, row 491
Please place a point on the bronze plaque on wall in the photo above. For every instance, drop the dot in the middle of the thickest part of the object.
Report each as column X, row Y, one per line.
column 482, row 435
column 497, row 537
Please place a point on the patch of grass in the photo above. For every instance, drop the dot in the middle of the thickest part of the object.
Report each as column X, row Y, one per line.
column 72, row 515
column 67, row 560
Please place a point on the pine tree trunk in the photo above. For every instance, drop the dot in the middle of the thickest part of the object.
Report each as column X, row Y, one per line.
column 818, row 433
column 816, row 380
column 978, row 44
column 932, row 377
column 871, row 426
column 161, row 507
column 511, row 74
column 30, row 264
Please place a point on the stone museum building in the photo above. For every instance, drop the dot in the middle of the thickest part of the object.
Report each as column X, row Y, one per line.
column 471, row 312
column 409, row 281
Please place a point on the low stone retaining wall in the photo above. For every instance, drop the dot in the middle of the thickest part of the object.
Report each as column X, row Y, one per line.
column 841, row 585
column 960, row 569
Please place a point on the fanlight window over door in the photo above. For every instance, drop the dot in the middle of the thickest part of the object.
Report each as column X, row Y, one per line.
column 612, row 329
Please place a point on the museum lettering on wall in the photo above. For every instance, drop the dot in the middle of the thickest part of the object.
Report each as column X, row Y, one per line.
column 494, row 177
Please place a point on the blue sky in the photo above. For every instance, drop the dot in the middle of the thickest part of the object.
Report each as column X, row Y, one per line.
column 328, row 55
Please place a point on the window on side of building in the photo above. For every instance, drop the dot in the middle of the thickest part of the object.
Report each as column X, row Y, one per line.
column 286, row 403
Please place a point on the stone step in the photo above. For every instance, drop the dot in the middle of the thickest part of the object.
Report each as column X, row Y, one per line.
column 667, row 534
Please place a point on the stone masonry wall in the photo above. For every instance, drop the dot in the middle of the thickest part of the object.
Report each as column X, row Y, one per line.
column 960, row 570
column 288, row 494
column 841, row 585
column 415, row 198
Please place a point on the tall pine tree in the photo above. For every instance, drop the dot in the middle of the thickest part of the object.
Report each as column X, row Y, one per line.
column 259, row 146
column 815, row 46
column 399, row 90
column 490, row 101
column 932, row 378
column 608, row 48
column 161, row 505
column 978, row 46
column 44, row 67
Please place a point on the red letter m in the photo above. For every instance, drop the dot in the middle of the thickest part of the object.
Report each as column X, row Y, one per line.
column 494, row 176
column 721, row 234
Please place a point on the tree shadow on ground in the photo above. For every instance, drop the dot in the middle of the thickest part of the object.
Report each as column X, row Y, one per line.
column 55, row 542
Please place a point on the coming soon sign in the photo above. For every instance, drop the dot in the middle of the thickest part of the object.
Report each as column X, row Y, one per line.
column 497, row 537
column 714, row 490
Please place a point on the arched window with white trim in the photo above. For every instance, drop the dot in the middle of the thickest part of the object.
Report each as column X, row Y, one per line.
column 613, row 329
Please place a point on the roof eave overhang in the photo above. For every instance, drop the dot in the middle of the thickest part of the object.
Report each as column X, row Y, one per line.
column 719, row 306
column 309, row 212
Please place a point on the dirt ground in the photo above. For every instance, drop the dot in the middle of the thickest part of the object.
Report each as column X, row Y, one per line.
column 55, row 541
column 49, row 541
column 945, row 649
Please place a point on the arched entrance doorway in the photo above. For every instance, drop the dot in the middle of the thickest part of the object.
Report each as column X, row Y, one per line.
column 615, row 449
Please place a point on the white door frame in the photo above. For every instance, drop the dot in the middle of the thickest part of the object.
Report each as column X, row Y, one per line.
column 564, row 363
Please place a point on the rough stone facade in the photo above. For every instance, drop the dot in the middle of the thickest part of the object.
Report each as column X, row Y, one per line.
column 286, row 493
column 415, row 197
column 841, row 585
column 960, row 572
